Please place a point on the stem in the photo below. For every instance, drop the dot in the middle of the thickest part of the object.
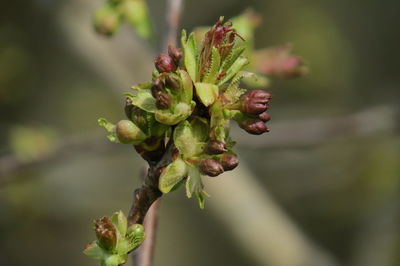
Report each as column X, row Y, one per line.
column 147, row 198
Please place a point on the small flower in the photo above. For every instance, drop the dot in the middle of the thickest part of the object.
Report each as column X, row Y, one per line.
column 255, row 102
column 229, row 162
column 164, row 63
column 211, row 167
column 215, row 147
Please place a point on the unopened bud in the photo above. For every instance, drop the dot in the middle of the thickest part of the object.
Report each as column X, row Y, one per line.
column 106, row 20
column 172, row 83
column 129, row 133
column 163, row 100
column 175, row 53
column 255, row 101
column 264, row 117
column 229, row 162
column 164, row 63
column 106, row 233
column 211, row 167
column 254, row 126
column 215, row 147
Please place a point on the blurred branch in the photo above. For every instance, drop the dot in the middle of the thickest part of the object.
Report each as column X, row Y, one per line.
column 315, row 131
column 257, row 222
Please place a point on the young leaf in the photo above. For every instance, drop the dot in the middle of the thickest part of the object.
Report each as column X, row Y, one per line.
column 172, row 117
column 193, row 182
column 234, row 55
column 190, row 54
column 189, row 136
column 143, row 99
column 234, row 69
column 187, row 86
column 93, row 251
column 213, row 71
column 172, row 175
column 110, row 129
column 120, row 222
column 207, row 92
column 136, row 236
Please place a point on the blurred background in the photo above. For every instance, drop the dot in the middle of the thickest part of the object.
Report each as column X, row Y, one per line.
column 322, row 188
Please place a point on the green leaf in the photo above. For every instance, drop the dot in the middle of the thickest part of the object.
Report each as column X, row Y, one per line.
column 234, row 55
column 136, row 236
column 93, row 251
column 187, row 87
column 234, row 69
column 142, row 98
column 120, row 222
column 213, row 71
column 194, row 183
column 110, row 129
column 180, row 112
column 190, row 137
column 172, row 175
column 190, row 54
column 207, row 92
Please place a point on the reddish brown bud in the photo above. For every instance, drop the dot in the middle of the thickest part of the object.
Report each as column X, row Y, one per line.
column 163, row 100
column 106, row 233
column 264, row 117
column 211, row 167
column 255, row 101
column 172, row 83
column 215, row 147
column 254, row 126
column 164, row 63
column 175, row 53
column 229, row 162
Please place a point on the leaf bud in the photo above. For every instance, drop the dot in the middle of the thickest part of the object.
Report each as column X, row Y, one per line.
column 264, row 117
column 175, row 53
column 163, row 100
column 210, row 167
column 106, row 233
column 229, row 162
column 106, row 20
column 255, row 102
column 164, row 63
column 129, row 133
column 215, row 147
column 253, row 126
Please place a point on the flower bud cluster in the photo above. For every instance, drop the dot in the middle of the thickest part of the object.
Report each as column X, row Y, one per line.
column 193, row 96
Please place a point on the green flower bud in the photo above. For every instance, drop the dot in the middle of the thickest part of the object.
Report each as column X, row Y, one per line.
column 211, row 167
column 106, row 233
column 129, row 133
column 107, row 20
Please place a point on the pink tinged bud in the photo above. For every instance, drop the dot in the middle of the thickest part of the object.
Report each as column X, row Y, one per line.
column 106, row 233
column 175, row 53
column 264, row 117
column 215, row 147
column 229, row 162
column 164, row 63
column 255, row 102
column 254, row 126
column 211, row 167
